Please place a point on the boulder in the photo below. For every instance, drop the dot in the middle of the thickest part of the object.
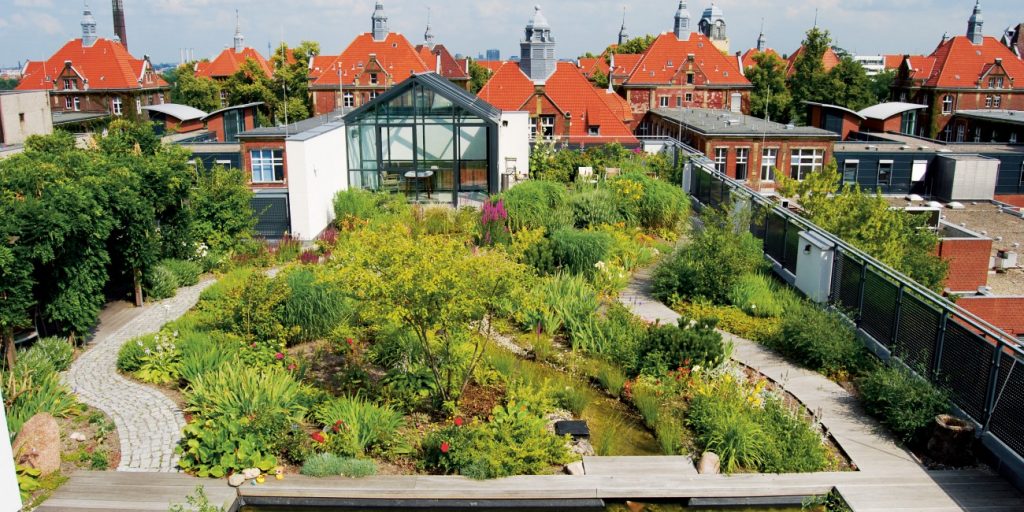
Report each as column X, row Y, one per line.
column 575, row 468
column 251, row 473
column 77, row 436
column 236, row 479
column 583, row 448
column 38, row 444
column 709, row 464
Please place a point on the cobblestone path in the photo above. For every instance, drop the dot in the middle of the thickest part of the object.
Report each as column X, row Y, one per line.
column 148, row 423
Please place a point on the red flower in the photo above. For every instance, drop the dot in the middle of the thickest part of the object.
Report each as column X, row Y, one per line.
column 458, row 422
column 279, row 356
column 445, row 447
column 337, row 426
column 318, row 437
column 292, row 367
column 254, row 344
column 350, row 341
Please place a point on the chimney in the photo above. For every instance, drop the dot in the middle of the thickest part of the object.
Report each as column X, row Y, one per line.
column 119, row 25
column 438, row 62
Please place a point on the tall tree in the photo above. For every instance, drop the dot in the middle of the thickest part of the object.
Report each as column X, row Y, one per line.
column 195, row 91
column 881, row 85
column 849, row 85
column 478, row 76
column 809, row 81
column 8, row 84
column 599, row 79
column 250, row 84
column 291, row 74
column 636, row 45
column 770, row 95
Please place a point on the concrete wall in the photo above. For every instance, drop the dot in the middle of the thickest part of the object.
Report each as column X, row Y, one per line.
column 318, row 166
column 1002, row 312
column 514, row 141
column 23, row 114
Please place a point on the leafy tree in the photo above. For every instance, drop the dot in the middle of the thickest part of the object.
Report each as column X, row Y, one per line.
column 881, row 84
column 221, row 210
column 293, row 77
column 895, row 237
column 810, row 82
column 16, row 298
column 849, row 85
column 636, row 45
column 250, row 84
column 770, row 94
column 599, row 79
column 199, row 92
column 8, row 84
column 478, row 76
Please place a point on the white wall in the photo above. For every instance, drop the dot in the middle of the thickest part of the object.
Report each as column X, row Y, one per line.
column 317, row 170
column 514, row 141
column 10, row 499
column 35, row 105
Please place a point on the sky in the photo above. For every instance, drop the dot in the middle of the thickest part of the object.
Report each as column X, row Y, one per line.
column 34, row 29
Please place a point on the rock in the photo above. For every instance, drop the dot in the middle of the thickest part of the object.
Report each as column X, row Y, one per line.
column 634, row 506
column 77, row 436
column 583, row 447
column 709, row 464
column 575, row 468
column 251, row 473
column 236, row 479
column 38, row 444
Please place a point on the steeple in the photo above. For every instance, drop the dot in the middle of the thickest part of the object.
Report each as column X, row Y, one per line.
column 974, row 32
column 380, row 22
column 88, row 27
column 761, row 43
column 537, row 49
column 682, row 25
column 428, row 36
column 623, row 32
column 239, row 38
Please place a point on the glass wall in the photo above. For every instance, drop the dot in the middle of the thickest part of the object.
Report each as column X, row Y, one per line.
column 420, row 144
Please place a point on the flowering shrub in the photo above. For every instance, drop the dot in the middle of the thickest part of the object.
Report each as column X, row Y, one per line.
column 494, row 224
column 355, row 426
column 161, row 364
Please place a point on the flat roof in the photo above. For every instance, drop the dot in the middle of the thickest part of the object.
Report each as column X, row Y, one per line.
column 60, row 118
column 1002, row 116
column 733, row 124
column 945, row 147
column 294, row 129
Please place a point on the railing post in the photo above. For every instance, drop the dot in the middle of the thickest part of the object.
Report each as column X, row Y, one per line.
column 860, row 292
column 993, row 386
column 940, row 342
column 894, row 335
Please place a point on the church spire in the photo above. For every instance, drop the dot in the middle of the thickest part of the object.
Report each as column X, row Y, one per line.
column 537, row 50
column 623, row 32
column 380, row 22
column 682, row 22
column 239, row 38
column 88, row 27
column 762, row 44
column 974, row 32
column 428, row 36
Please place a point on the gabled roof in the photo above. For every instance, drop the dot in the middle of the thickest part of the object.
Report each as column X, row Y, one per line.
column 508, row 87
column 618, row 105
column 625, row 63
column 588, row 65
column 179, row 112
column 919, row 67
column 396, row 55
column 491, row 65
column 450, row 68
column 228, row 62
column 318, row 64
column 961, row 64
column 663, row 60
column 748, row 56
column 893, row 61
column 829, row 60
column 104, row 65
column 439, row 85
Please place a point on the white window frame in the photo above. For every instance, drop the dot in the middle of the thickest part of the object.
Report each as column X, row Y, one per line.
column 769, row 159
column 78, row 104
column 947, row 104
column 997, row 101
column 960, row 132
column 594, row 131
column 374, row 79
column 161, row 97
column 349, row 100
column 1013, row 137
column 679, row 102
column 689, row 97
column 547, row 126
column 888, row 179
column 138, row 106
column 988, row 101
column 116, row 106
column 856, row 168
column 743, row 162
column 663, row 101
column 264, row 161
column 977, row 134
column 374, row 94
column 804, row 161
column 67, row 84
column 721, row 159
column 223, row 99
column 68, row 103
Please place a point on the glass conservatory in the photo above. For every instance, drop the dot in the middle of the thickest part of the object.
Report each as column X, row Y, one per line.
column 425, row 138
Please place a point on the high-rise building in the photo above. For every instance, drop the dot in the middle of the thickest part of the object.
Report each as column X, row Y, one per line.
column 493, row 54
column 119, row 27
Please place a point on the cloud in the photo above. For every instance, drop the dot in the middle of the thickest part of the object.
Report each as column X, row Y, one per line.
column 38, row 4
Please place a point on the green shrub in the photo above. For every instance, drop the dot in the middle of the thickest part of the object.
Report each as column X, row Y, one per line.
column 566, row 301
column 541, row 256
column 732, row 320
column 670, row 434
column 33, row 362
column 314, row 306
column 32, row 390
column 754, row 294
column 793, row 446
column 611, row 379
column 201, row 354
column 356, row 426
column 903, row 402
column 162, row 364
column 186, row 272
column 57, row 350
column 648, row 202
column 537, row 204
column 572, row 399
column 216, row 447
column 578, row 252
column 695, row 343
column 227, row 284
column 160, row 283
column 623, row 335
column 592, row 207
column 820, row 340
column 328, row 464
column 355, row 203
column 648, row 404
column 129, row 357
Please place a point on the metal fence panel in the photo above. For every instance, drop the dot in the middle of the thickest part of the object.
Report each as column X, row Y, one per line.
column 879, row 309
column 917, row 334
column 716, row 192
column 758, row 216
column 774, row 240
column 792, row 248
column 846, row 284
column 964, row 369
column 1008, row 412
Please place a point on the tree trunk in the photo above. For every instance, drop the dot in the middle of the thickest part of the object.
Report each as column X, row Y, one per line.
column 8, row 335
column 137, row 275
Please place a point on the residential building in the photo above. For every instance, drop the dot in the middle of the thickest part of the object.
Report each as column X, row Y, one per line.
column 684, row 69
column 562, row 104
column 996, row 126
column 830, row 59
column 96, row 76
column 376, row 61
column 968, row 72
column 747, row 58
column 23, row 114
column 744, row 147
column 1013, row 38
column 712, row 25
column 230, row 60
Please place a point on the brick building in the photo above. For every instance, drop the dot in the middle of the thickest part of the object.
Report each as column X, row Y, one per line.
column 969, row 72
column 230, row 60
column 94, row 75
column 747, row 57
column 376, row 61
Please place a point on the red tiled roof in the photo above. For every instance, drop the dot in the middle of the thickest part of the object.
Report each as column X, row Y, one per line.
column 894, row 61
column 618, row 105
column 450, row 68
column 668, row 55
column 492, row 65
column 625, row 63
column 105, row 65
column 398, row 57
column 228, row 62
column 589, row 65
column 511, row 89
column 830, row 60
column 318, row 64
column 958, row 63
column 748, row 56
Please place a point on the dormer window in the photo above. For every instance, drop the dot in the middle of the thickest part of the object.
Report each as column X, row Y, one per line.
column 947, row 104
column 373, row 78
column 669, row 64
column 689, row 78
column 68, row 84
column 995, row 82
column 594, row 131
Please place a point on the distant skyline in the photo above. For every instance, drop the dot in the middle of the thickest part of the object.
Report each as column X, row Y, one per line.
column 35, row 29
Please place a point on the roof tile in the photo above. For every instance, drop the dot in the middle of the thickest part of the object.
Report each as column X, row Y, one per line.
column 105, row 65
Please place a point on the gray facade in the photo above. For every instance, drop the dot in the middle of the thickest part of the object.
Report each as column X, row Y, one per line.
column 537, row 50
column 380, row 23
column 681, row 28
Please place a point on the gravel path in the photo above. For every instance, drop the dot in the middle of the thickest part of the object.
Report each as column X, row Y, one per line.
column 148, row 423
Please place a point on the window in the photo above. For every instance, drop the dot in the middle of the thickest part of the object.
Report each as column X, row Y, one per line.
column 663, row 102
column 742, row 157
column 223, row 99
column 1013, row 137
column 977, row 135
column 68, row 83
column 116, row 106
column 805, row 161
column 721, row 159
column 947, row 104
column 68, row 105
column 161, row 97
column 689, row 97
column 138, row 106
column 679, row 102
column 885, row 172
column 267, row 165
column 988, row 101
column 533, row 131
column 947, row 133
column 689, row 78
column 78, row 104
column 960, row 129
column 850, row 171
column 768, row 158
column 594, row 131
column 350, row 100
column 995, row 82
column 997, row 101
column 21, row 117
column 373, row 78
column 547, row 124
column 373, row 95
column 903, row 96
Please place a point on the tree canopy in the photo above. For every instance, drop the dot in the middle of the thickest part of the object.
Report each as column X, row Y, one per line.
column 478, row 76
column 199, row 92
column 636, row 45
column 809, row 81
column 770, row 94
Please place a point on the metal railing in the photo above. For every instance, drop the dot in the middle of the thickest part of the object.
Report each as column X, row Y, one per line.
column 974, row 361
